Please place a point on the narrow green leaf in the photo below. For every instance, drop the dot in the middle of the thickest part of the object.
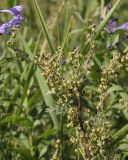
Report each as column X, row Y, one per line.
column 41, row 81
column 47, row 134
column 7, row 119
column 119, row 106
column 54, row 118
column 105, row 20
column 121, row 133
column 67, row 33
column 25, row 122
column 114, row 88
column 25, row 153
column 43, row 86
column 34, row 98
column 41, row 18
column 43, row 151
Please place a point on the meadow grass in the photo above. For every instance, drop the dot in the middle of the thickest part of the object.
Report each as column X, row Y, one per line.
column 63, row 81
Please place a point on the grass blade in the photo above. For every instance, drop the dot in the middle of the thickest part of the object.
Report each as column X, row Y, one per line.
column 121, row 133
column 105, row 20
column 43, row 87
column 43, row 24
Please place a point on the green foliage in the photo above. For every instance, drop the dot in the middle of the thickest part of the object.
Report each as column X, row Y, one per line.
column 64, row 83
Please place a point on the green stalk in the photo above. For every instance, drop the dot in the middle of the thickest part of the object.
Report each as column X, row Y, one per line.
column 105, row 20
column 67, row 34
column 43, row 24
column 62, row 140
column 54, row 118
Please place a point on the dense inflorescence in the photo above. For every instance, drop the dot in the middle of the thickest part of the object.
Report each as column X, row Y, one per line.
column 99, row 125
column 56, row 155
column 64, row 75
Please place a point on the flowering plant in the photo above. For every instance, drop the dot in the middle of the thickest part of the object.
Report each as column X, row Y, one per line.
column 63, row 81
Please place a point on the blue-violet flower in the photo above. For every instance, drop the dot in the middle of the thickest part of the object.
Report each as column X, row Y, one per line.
column 15, row 22
column 112, row 26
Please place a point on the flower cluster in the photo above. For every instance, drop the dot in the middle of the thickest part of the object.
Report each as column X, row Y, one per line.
column 109, row 75
column 63, row 74
column 89, row 60
column 99, row 125
column 71, row 117
column 57, row 151
column 66, row 75
column 15, row 22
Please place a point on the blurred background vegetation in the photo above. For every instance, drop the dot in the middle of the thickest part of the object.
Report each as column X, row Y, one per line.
column 29, row 121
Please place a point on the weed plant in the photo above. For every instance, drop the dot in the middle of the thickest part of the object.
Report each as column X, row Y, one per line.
column 63, row 80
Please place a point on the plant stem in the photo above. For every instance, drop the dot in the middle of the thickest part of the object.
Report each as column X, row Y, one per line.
column 62, row 136
column 85, row 136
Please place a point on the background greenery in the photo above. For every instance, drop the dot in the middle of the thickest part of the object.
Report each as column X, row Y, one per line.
column 30, row 124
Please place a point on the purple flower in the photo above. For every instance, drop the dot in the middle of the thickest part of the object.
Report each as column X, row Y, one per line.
column 4, row 28
column 123, row 27
column 112, row 26
column 17, row 10
column 15, row 22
